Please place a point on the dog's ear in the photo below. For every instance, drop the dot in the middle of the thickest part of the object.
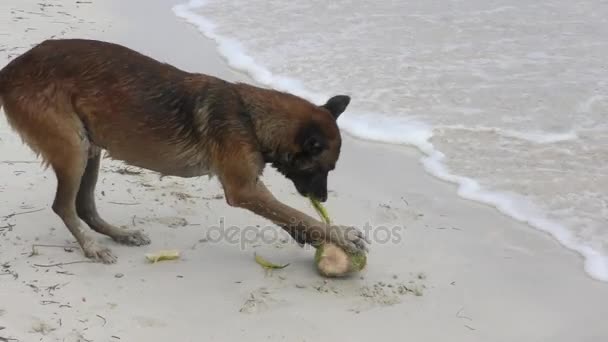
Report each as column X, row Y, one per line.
column 313, row 145
column 337, row 105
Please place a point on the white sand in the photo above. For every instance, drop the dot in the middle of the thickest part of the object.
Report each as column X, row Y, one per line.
column 479, row 276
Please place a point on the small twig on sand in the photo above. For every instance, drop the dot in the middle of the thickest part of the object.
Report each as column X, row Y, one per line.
column 470, row 328
column 54, row 246
column 19, row 162
column 66, row 263
column 55, row 287
column 22, row 213
column 214, row 197
column 122, row 203
column 47, row 302
column 461, row 316
column 104, row 320
column 6, row 270
column 35, row 251
column 405, row 201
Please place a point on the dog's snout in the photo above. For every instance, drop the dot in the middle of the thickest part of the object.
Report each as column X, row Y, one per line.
column 323, row 197
column 319, row 187
column 314, row 186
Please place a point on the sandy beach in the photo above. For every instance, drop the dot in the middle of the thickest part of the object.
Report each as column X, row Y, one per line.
column 451, row 269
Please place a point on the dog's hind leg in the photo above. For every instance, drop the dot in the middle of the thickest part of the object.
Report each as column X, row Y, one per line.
column 87, row 210
column 59, row 137
column 69, row 170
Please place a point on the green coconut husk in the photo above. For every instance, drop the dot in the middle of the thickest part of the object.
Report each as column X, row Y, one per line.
column 331, row 260
column 267, row 264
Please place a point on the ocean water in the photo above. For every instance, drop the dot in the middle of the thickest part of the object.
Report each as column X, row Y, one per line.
column 506, row 98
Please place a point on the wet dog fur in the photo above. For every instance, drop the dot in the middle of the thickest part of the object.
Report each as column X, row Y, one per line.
column 70, row 99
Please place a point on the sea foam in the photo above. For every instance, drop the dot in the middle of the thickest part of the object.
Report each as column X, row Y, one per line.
column 536, row 137
column 380, row 128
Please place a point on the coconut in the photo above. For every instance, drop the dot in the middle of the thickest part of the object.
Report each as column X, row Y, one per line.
column 333, row 261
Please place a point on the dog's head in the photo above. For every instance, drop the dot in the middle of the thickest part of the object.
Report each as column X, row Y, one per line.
column 316, row 149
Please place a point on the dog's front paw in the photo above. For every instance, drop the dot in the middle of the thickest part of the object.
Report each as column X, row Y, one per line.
column 132, row 238
column 350, row 239
column 98, row 253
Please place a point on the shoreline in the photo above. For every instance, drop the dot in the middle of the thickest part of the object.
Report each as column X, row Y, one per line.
column 419, row 137
column 482, row 276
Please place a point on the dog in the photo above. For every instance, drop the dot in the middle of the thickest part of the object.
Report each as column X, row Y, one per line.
column 71, row 99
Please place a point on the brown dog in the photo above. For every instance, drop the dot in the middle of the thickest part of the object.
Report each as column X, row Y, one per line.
column 69, row 99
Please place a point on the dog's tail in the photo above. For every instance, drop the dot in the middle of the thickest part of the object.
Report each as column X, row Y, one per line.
column 4, row 81
column 2, row 89
column 2, row 84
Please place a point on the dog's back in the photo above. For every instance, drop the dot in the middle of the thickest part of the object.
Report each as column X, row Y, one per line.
column 138, row 109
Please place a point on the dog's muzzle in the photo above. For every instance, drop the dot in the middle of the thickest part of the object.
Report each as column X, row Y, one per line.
column 314, row 186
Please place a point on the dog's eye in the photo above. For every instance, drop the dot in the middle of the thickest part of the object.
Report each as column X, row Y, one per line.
column 316, row 150
column 313, row 146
